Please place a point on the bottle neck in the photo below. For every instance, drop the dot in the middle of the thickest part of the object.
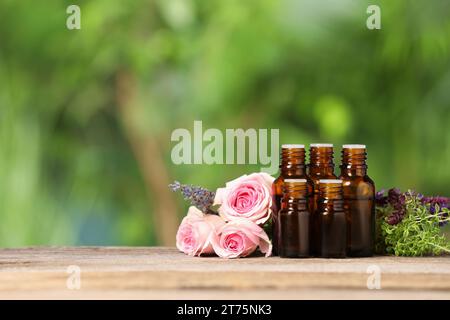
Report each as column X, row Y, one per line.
column 321, row 161
column 330, row 204
column 330, row 196
column 352, row 171
column 295, row 195
column 321, row 171
column 288, row 203
column 293, row 171
column 292, row 162
column 321, row 156
column 354, row 162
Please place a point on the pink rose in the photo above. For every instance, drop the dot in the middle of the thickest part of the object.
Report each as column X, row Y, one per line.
column 239, row 238
column 196, row 231
column 249, row 196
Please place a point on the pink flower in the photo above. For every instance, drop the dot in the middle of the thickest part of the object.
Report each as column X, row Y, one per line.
column 196, row 231
column 249, row 197
column 239, row 238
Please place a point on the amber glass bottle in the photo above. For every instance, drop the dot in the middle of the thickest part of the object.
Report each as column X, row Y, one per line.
column 359, row 193
column 292, row 166
column 321, row 166
column 330, row 222
column 294, row 220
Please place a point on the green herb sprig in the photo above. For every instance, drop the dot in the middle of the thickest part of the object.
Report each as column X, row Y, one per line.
column 409, row 226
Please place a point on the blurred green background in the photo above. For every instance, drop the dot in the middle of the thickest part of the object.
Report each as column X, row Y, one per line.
column 86, row 115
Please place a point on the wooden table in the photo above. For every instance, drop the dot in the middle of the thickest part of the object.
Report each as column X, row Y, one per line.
column 164, row 273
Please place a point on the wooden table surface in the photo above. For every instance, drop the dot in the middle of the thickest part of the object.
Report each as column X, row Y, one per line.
column 164, row 273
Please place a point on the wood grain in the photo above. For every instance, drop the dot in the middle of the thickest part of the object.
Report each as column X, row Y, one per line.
column 164, row 273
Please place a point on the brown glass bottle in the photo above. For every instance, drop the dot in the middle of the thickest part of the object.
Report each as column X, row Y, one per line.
column 330, row 222
column 292, row 166
column 321, row 166
column 294, row 220
column 359, row 193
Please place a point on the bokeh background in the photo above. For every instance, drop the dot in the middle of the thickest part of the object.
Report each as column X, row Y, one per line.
column 86, row 115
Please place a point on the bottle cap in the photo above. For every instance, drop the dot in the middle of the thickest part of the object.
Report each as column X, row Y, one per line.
column 295, row 180
column 293, row 146
column 354, row 146
column 326, row 145
column 330, row 181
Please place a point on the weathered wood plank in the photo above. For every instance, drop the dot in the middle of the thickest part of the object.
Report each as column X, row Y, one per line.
column 138, row 272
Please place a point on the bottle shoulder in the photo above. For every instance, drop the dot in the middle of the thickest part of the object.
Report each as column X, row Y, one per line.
column 363, row 187
column 316, row 177
column 329, row 212
column 292, row 212
column 356, row 179
column 277, row 186
column 278, row 180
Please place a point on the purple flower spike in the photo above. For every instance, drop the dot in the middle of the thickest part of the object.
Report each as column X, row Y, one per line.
column 397, row 200
column 441, row 203
column 394, row 219
column 380, row 198
column 200, row 197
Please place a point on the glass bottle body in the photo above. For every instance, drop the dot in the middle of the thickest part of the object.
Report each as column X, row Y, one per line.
column 359, row 194
column 295, row 225
column 294, row 220
column 321, row 166
column 292, row 167
column 331, row 221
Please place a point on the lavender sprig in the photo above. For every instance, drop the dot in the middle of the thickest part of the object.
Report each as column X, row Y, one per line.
column 199, row 197
column 396, row 199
